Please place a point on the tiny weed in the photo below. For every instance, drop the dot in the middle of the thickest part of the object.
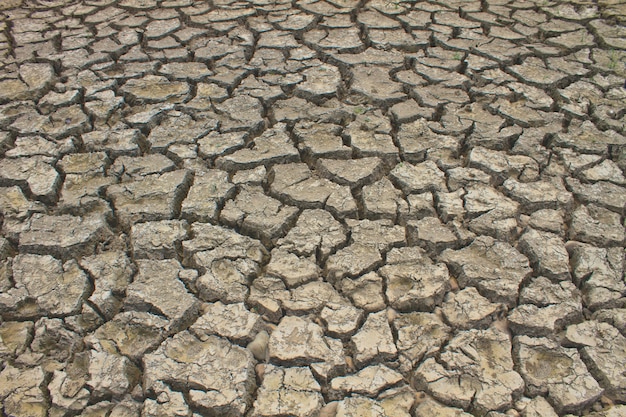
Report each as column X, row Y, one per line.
column 613, row 58
column 358, row 110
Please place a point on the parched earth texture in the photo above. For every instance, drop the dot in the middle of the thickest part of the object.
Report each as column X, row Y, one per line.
column 312, row 208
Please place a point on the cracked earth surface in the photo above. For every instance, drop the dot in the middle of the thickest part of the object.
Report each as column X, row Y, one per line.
column 312, row 208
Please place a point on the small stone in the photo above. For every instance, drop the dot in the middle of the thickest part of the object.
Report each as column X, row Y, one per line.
column 374, row 340
column 259, row 346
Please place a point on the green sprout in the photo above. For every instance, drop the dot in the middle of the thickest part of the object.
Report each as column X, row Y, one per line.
column 613, row 59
